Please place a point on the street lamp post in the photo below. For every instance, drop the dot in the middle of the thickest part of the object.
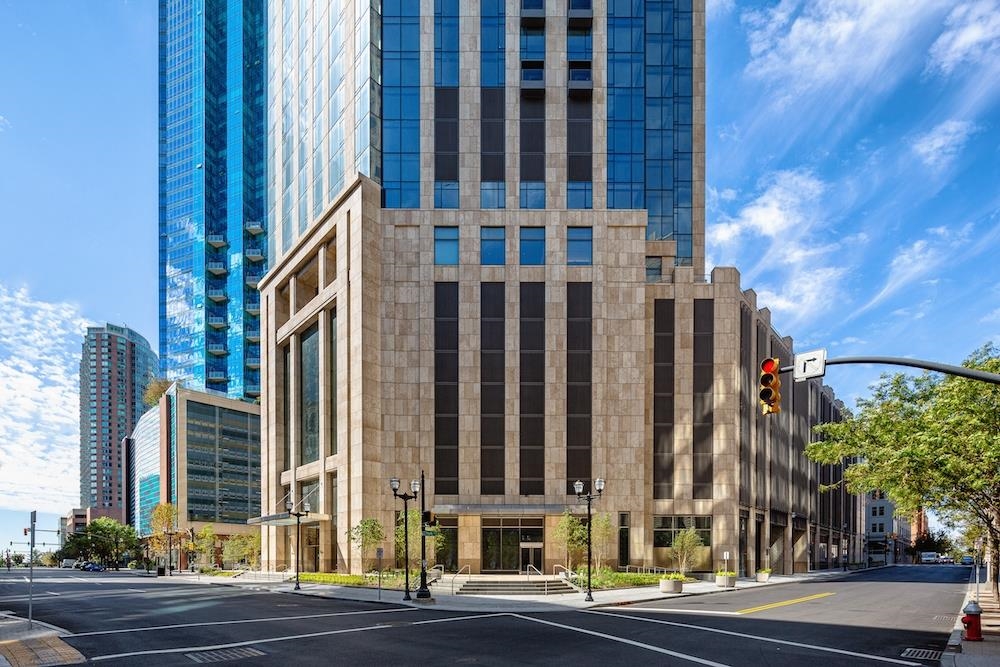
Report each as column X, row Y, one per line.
column 589, row 497
column 170, row 550
column 290, row 506
column 405, row 497
column 423, row 593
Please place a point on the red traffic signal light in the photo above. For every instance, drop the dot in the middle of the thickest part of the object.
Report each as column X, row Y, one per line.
column 770, row 386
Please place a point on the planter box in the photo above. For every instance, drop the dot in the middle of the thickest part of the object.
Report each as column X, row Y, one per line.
column 762, row 577
column 671, row 585
column 725, row 582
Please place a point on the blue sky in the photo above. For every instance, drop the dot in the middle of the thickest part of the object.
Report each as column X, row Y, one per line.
column 853, row 163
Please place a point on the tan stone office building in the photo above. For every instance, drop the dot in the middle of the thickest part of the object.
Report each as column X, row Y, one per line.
column 511, row 297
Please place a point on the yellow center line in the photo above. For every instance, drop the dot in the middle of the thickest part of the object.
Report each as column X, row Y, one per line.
column 784, row 603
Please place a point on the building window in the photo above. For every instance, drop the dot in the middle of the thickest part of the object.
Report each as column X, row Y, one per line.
column 446, row 194
column 874, row 511
column 580, row 194
column 580, row 246
column 666, row 528
column 654, row 269
column 446, row 245
column 492, row 195
column 532, row 246
column 532, row 195
column 881, row 510
column 491, row 248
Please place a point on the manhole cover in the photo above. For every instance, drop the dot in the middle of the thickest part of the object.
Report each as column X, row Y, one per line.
column 922, row 654
column 222, row 655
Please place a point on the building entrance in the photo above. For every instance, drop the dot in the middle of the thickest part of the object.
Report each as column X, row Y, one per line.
column 531, row 554
column 502, row 544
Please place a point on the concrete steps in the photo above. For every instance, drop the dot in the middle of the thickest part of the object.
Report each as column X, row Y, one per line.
column 478, row 586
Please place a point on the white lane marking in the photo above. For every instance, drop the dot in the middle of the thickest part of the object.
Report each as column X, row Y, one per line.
column 270, row 640
column 622, row 640
column 703, row 612
column 89, row 581
column 813, row 647
column 239, row 621
column 53, row 593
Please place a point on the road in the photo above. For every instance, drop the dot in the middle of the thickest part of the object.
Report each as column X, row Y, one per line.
column 866, row 618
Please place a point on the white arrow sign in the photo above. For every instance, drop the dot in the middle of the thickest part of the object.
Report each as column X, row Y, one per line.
column 809, row 365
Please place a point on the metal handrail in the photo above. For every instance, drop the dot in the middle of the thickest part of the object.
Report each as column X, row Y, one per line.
column 455, row 576
column 569, row 573
column 439, row 568
column 527, row 572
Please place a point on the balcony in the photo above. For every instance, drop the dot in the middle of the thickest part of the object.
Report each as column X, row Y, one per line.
column 580, row 14
column 254, row 253
column 254, row 227
column 532, row 13
column 218, row 295
column 252, row 306
column 532, row 78
column 252, row 335
column 217, row 376
column 253, row 362
column 252, row 278
column 216, row 268
column 217, row 322
column 252, row 390
column 218, row 349
column 216, row 240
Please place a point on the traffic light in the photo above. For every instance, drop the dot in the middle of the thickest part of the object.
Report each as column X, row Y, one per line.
column 770, row 386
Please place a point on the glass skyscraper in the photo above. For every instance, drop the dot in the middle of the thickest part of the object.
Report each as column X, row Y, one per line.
column 116, row 366
column 212, row 234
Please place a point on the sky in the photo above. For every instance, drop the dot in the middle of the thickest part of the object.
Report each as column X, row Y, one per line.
column 853, row 163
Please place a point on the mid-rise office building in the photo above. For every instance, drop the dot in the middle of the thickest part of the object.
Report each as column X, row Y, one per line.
column 212, row 241
column 487, row 265
column 200, row 452
column 116, row 366
column 887, row 536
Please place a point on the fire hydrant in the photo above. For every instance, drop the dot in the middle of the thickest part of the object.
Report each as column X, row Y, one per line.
column 973, row 622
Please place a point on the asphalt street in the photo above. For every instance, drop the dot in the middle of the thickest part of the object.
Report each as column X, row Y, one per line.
column 869, row 618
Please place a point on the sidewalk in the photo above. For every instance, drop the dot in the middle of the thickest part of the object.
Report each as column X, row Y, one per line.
column 37, row 644
column 977, row 654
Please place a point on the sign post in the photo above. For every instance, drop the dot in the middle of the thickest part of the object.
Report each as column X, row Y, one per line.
column 31, row 568
column 379, row 552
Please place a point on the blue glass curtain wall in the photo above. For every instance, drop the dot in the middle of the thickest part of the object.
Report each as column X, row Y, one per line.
column 401, row 104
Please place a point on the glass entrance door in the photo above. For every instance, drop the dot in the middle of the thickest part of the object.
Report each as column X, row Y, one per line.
column 502, row 539
column 531, row 554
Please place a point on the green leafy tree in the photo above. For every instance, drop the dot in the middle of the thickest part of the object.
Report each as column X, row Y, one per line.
column 414, row 522
column 685, row 549
column 204, row 544
column 163, row 518
column 242, row 549
column 17, row 559
column 571, row 534
column 48, row 559
column 110, row 540
column 366, row 536
column 602, row 534
column 928, row 442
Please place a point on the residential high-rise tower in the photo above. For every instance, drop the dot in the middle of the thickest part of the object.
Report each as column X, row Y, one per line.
column 116, row 366
column 212, row 242
column 488, row 270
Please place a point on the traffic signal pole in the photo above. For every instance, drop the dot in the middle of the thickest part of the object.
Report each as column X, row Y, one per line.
column 802, row 370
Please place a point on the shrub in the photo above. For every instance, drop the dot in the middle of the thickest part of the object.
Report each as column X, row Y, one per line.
column 133, row 565
column 724, row 573
column 685, row 549
column 763, row 570
column 675, row 576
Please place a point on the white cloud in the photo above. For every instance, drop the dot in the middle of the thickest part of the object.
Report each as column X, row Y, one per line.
column 4, row 124
column 938, row 148
column 991, row 317
column 780, row 243
column 716, row 8
column 915, row 261
column 844, row 46
column 971, row 36
column 39, row 418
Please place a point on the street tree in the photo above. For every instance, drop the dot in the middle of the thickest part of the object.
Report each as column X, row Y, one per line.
column 204, row 543
column 162, row 519
column 929, row 443
column 602, row 533
column 571, row 534
column 365, row 536
column 413, row 521
column 110, row 540
column 685, row 549
column 155, row 389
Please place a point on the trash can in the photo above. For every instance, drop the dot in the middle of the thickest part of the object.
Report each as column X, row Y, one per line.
column 160, row 571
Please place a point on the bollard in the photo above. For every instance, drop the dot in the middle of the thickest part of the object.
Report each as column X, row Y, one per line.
column 973, row 622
